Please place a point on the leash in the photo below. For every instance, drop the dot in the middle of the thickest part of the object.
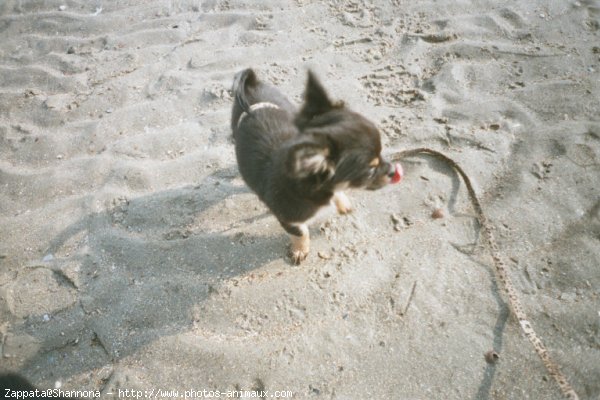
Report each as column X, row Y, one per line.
column 502, row 272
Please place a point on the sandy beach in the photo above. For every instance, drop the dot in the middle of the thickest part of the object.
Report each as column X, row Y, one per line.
column 133, row 256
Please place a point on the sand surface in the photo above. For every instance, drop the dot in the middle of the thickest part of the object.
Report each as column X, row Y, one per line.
column 132, row 256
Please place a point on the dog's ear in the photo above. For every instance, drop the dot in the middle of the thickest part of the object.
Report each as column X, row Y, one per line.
column 310, row 158
column 316, row 98
column 316, row 101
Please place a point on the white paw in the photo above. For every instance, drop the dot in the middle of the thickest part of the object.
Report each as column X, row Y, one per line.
column 298, row 256
column 342, row 203
column 299, row 247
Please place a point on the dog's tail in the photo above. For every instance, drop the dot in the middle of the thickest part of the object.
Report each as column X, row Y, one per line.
column 241, row 81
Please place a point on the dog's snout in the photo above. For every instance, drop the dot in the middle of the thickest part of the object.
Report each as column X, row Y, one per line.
column 391, row 170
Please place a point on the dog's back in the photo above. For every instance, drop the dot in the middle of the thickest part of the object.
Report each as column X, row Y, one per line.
column 262, row 121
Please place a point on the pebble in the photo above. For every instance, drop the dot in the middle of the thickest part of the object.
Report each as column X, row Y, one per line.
column 491, row 357
column 62, row 7
column 437, row 213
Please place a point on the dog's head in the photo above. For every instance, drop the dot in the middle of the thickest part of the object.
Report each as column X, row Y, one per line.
column 338, row 145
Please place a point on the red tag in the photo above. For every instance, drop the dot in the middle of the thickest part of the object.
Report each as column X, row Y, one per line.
column 398, row 174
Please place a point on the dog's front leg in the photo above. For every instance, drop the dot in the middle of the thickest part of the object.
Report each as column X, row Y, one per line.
column 342, row 203
column 300, row 241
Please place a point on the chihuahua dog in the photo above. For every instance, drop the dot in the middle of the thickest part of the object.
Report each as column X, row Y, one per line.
column 298, row 161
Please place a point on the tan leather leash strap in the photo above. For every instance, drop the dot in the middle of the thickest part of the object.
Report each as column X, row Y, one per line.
column 502, row 271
